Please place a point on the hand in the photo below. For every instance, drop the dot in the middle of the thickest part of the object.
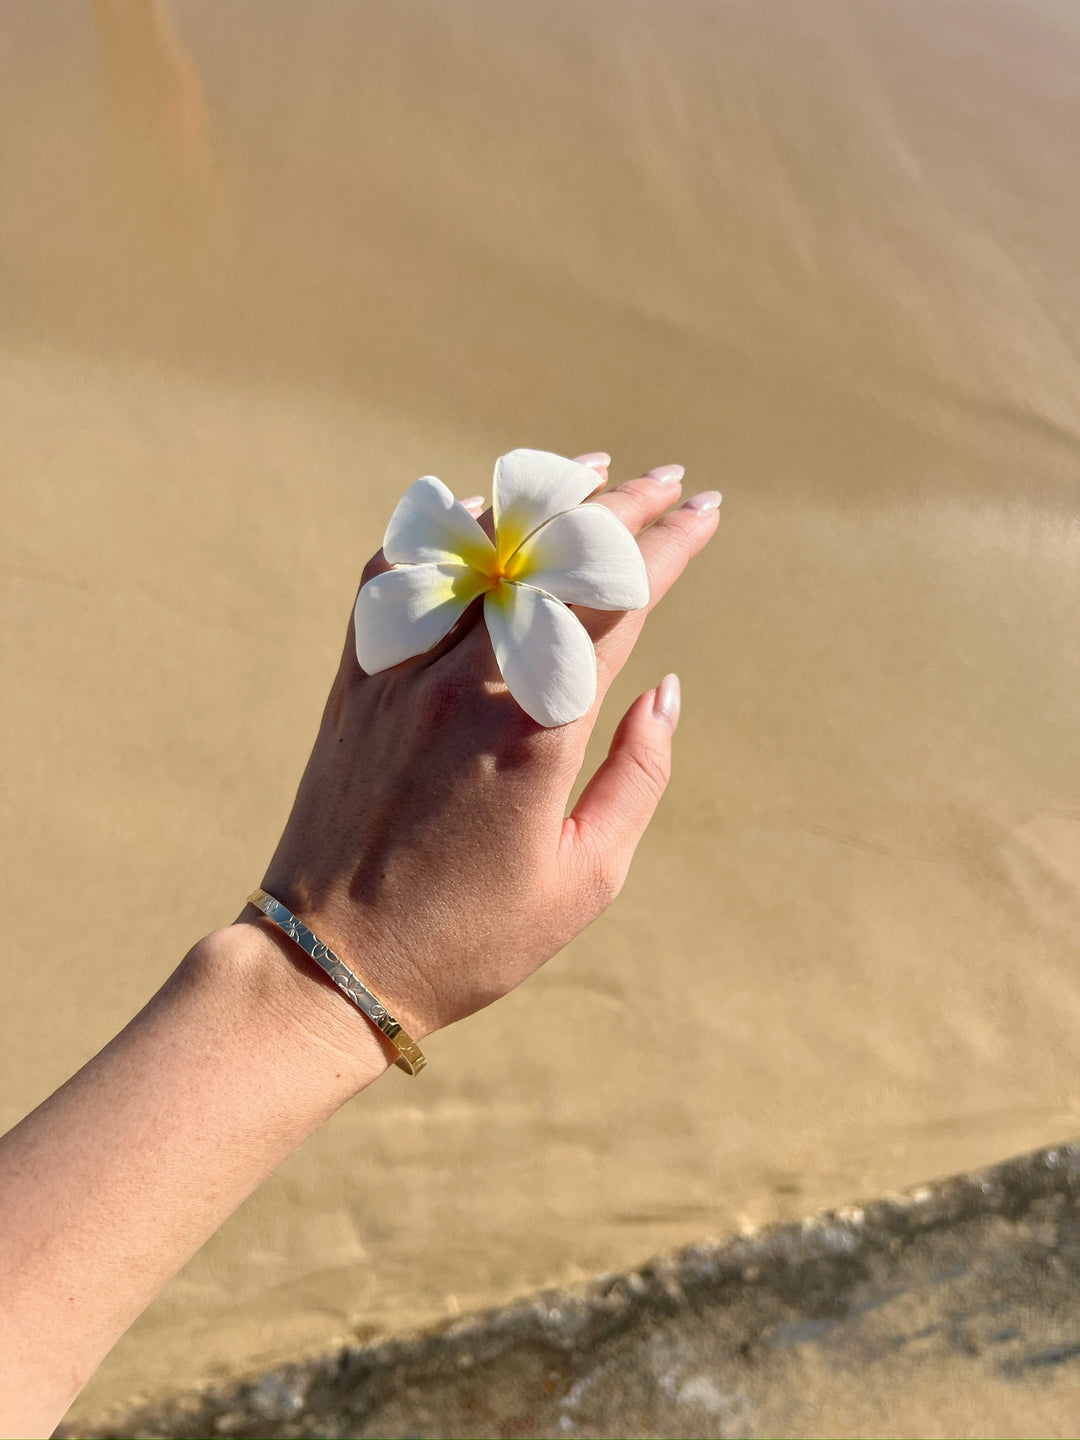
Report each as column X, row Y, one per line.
column 429, row 844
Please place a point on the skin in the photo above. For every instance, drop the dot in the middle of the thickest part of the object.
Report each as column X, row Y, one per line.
column 429, row 845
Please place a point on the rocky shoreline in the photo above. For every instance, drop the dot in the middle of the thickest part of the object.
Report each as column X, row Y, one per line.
column 952, row 1308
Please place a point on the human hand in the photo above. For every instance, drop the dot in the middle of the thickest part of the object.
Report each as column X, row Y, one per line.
column 429, row 843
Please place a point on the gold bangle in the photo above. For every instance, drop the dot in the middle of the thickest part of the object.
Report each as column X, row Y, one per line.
column 411, row 1059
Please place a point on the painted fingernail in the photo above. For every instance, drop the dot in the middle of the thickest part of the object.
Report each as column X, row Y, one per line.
column 667, row 474
column 474, row 502
column 668, row 701
column 595, row 458
column 706, row 501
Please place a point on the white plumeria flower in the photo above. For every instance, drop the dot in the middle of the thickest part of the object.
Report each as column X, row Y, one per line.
column 550, row 551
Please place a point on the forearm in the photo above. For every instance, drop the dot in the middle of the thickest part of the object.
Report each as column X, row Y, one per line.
column 117, row 1179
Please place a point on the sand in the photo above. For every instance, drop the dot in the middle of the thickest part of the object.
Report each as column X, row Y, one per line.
column 949, row 1310
column 261, row 265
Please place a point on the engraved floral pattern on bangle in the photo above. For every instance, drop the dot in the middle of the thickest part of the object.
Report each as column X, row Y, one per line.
column 411, row 1058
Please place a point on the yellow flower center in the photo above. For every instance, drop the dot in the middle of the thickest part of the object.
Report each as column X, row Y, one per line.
column 513, row 567
column 500, row 568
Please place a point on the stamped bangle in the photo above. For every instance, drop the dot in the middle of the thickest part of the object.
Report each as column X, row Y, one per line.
column 411, row 1059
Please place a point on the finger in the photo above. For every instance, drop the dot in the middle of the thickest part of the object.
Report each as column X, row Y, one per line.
column 667, row 546
column 639, row 502
column 600, row 836
column 377, row 565
column 599, row 460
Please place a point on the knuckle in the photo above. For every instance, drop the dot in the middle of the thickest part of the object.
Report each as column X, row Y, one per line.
column 631, row 501
column 608, row 879
column 652, row 767
column 640, row 492
column 375, row 566
column 677, row 540
column 600, row 875
column 521, row 742
column 670, row 549
column 335, row 708
column 442, row 696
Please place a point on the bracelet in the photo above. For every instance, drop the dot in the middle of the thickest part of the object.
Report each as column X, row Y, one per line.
column 411, row 1059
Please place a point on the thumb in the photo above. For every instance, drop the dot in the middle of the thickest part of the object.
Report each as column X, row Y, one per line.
column 603, row 830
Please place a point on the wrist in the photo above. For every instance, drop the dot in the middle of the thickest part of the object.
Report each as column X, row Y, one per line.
column 284, row 1000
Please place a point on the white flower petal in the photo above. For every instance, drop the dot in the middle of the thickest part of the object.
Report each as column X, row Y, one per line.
column 530, row 487
column 430, row 527
column 404, row 612
column 544, row 652
column 586, row 556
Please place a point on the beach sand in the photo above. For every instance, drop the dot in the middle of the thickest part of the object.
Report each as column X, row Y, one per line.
column 261, row 266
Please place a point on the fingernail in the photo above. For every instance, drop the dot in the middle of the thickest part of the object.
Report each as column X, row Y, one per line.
column 668, row 701
column 707, row 500
column 667, row 474
column 474, row 502
column 595, row 458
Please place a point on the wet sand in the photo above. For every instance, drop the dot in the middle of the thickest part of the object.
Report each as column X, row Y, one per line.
column 260, row 267
column 948, row 1310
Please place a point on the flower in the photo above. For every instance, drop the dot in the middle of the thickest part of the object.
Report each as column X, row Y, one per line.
column 550, row 551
